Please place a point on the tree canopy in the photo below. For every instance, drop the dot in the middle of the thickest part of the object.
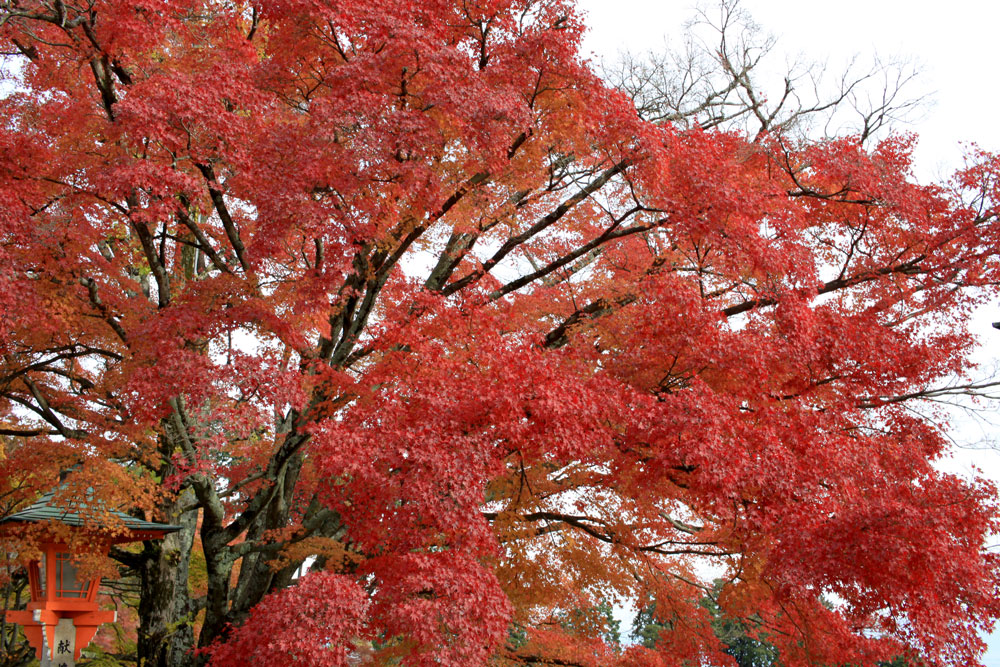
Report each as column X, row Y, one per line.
column 405, row 295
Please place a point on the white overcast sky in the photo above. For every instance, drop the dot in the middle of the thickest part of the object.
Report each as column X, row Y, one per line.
column 954, row 42
column 955, row 47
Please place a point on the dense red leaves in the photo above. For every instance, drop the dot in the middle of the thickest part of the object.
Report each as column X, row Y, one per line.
column 447, row 608
column 313, row 623
column 409, row 279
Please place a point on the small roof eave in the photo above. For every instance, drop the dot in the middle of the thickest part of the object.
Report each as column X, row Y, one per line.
column 44, row 510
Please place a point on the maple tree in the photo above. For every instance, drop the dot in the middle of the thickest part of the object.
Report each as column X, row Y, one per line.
column 406, row 295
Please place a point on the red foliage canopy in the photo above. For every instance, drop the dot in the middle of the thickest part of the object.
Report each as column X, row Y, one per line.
column 406, row 287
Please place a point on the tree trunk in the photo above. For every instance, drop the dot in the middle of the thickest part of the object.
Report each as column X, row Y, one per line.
column 166, row 611
column 256, row 571
column 219, row 567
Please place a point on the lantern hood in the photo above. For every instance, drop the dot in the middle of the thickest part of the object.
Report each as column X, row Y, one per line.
column 46, row 510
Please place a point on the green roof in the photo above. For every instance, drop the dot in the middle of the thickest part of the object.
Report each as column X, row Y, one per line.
column 45, row 510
